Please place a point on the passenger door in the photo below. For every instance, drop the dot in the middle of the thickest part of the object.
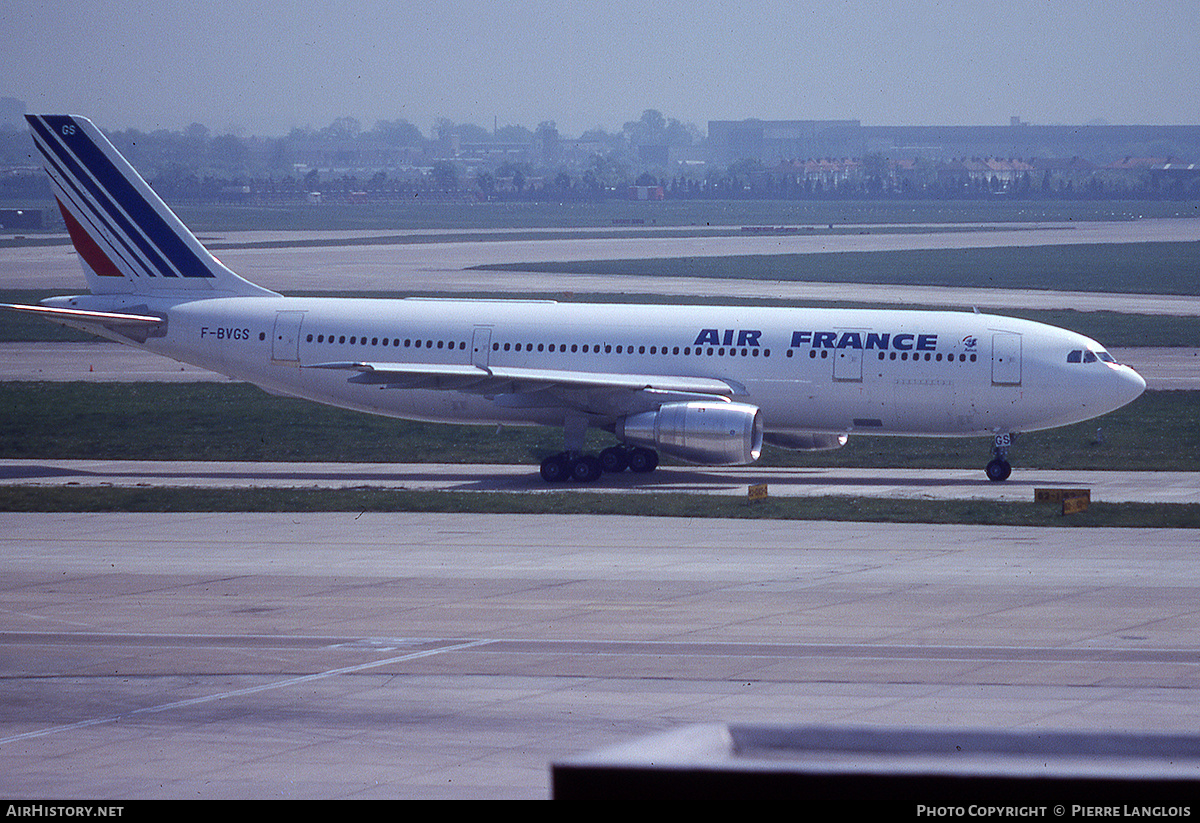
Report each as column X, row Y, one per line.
column 1006, row 359
column 285, row 340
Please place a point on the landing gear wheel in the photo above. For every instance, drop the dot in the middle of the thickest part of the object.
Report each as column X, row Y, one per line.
column 586, row 469
column 998, row 470
column 614, row 459
column 556, row 468
column 643, row 460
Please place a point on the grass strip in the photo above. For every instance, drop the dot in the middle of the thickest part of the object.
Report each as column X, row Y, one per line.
column 1160, row 431
column 1145, row 268
column 357, row 500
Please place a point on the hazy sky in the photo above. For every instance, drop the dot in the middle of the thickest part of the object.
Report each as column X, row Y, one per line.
column 266, row 66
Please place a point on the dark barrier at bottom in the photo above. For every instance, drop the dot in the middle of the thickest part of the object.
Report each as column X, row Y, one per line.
column 909, row 772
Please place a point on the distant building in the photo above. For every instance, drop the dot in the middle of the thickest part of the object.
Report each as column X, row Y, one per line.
column 775, row 141
column 646, row 193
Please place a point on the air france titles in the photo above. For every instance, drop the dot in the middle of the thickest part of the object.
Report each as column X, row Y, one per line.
column 746, row 338
column 879, row 341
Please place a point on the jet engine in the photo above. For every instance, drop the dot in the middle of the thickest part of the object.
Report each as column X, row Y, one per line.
column 806, row 441
column 710, row 433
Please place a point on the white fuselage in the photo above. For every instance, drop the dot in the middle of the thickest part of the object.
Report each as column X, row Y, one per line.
column 809, row 370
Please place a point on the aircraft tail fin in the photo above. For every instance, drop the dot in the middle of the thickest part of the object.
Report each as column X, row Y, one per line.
column 129, row 241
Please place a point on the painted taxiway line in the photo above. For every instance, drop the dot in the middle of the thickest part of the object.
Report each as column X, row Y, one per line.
column 251, row 690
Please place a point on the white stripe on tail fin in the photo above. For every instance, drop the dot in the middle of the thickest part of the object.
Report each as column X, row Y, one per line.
column 128, row 239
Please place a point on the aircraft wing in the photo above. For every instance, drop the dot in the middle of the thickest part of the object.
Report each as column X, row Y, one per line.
column 595, row 392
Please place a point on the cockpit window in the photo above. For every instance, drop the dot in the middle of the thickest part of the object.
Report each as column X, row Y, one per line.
column 1089, row 356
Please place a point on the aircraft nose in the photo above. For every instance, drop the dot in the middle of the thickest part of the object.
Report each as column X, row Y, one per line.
column 1129, row 384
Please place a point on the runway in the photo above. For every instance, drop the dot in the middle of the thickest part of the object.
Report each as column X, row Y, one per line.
column 397, row 655
column 894, row 483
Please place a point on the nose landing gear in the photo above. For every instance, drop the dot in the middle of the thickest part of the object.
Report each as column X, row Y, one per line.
column 999, row 468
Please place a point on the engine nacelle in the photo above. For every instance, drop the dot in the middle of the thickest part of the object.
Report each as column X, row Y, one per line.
column 806, row 441
column 710, row 433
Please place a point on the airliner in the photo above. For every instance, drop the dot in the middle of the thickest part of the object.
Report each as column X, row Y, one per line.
column 708, row 385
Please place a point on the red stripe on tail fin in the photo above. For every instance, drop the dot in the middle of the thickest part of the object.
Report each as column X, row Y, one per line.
column 91, row 253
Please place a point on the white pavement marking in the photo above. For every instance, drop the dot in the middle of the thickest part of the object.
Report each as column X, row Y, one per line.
column 281, row 684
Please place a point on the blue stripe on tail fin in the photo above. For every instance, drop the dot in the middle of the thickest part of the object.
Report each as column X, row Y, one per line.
column 128, row 239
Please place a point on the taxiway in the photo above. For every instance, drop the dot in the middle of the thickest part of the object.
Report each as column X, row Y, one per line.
column 895, row 483
column 447, row 267
column 369, row 655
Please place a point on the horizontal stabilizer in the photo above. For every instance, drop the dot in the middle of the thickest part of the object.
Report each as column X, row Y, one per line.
column 103, row 318
column 119, row 326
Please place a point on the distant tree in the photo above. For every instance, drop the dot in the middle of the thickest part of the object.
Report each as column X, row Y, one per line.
column 514, row 134
column 445, row 175
column 681, row 134
column 596, row 134
column 398, row 133
column 612, row 143
column 229, row 154
column 875, row 169
column 606, row 172
column 471, row 133
column 649, row 129
column 519, row 173
column 197, row 134
column 343, row 128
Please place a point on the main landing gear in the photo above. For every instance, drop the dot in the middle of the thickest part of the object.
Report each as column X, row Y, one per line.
column 587, row 468
column 999, row 468
column 573, row 464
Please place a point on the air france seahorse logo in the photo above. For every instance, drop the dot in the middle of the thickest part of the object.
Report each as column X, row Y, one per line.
column 970, row 342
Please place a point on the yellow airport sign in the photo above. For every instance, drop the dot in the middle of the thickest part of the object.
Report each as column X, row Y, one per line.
column 1072, row 500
